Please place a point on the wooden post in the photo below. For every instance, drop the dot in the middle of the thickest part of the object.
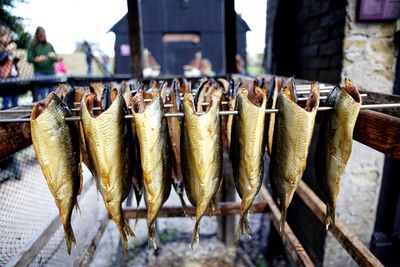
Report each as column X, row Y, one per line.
column 230, row 36
column 135, row 37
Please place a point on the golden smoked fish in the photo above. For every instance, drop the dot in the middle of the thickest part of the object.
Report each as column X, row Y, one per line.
column 174, row 131
column 201, row 155
column 152, row 131
column 293, row 131
column 108, row 147
column 56, row 145
column 335, row 143
column 247, row 151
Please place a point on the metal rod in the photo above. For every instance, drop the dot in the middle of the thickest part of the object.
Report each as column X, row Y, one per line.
column 17, row 111
column 222, row 113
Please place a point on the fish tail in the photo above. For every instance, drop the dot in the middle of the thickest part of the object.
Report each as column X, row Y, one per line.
column 78, row 209
column 200, row 210
column 178, row 186
column 196, row 233
column 243, row 226
column 152, row 235
column 330, row 216
column 124, row 229
column 282, row 221
column 69, row 237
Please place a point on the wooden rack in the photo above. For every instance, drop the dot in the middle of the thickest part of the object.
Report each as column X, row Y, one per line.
column 377, row 130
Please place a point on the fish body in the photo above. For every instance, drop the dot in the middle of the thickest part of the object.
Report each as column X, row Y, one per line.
column 247, row 151
column 292, row 135
column 152, row 131
column 108, row 147
column 202, row 156
column 174, row 132
column 57, row 148
column 273, row 91
column 335, row 143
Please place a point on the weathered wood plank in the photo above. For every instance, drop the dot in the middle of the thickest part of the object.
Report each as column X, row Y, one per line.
column 350, row 242
column 292, row 244
column 379, row 131
column 14, row 137
column 226, row 208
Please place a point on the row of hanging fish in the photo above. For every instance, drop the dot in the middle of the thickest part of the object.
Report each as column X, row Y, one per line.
column 152, row 153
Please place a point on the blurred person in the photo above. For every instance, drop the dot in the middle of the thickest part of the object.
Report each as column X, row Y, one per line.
column 43, row 56
column 60, row 67
column 106, row 62
column 87, row 49
column 193, row 68
column 240, row 65
column 206, row 67
column 8, row 64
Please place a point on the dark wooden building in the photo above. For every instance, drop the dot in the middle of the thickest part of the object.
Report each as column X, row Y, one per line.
column 174, row 30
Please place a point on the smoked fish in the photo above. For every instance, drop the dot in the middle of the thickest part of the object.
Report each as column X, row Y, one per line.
column 108, row 146
column 292, row 135
column 152, row 131
column 56, row 145
column 247, row 151
column 201, row 150
column 335, row 143
column 174, row 132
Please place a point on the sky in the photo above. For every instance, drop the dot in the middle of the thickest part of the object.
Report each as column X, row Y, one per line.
column 70, row 21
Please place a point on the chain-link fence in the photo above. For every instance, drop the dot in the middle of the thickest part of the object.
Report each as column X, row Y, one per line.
column 27, row 207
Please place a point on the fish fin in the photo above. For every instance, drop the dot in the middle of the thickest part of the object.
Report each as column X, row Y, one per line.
column 196, row 234
column 330, row 216
column 78, row 209
column 152, row 235
column 214, row 206
column 282, row 221
column 178, row 186
column 69, row 237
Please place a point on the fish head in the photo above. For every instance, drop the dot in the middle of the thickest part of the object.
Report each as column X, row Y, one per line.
column 51, row 99
column 313, row 97
column 69, row 98
column 352, row 90
column 291, row 89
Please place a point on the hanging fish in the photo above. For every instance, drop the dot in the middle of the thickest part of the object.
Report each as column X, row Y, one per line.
column 174, row 131
column 247, row 151
column 335, row 143
column 292, row 135
column 201, row 150
column 107, row 139
column 57, row 148
column 273, row 91
column 152, row 131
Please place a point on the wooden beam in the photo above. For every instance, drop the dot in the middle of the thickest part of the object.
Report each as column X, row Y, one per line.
column 225, row 208
column 290, row 241
column 230, row 36
column 350, row 242
column 135, row 37
column 379, row 131
column 14, row 137
column 28, row 253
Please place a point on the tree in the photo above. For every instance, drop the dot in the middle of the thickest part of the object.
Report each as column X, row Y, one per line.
column 14, row 23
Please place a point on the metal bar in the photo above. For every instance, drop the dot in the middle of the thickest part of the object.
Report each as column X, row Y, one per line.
column 222, row 113
column 28, row 253
column 10, row 111
column 349, row 242
column 225, row 209
column 292, row 244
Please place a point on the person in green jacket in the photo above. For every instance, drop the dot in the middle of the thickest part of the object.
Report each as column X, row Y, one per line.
column 43, row 56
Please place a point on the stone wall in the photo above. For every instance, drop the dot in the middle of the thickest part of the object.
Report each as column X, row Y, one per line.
column 369, row 53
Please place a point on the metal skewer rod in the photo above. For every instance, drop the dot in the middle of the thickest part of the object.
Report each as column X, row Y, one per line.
column 222, row 113
column 17, row 111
